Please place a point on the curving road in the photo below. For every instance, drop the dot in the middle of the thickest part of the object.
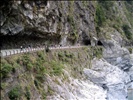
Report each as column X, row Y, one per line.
column 9, row 52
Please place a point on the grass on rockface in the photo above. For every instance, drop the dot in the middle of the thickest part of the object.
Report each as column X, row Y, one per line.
column 27, row 93
column 73, row 36
column 85, row 3
column 96, row 52
column 27, row 62
column 56, row 68
column 15, row 93
column 129, row 9
column 36, row 64
column 130, row 50
column 40, row 64
column 127, row 31
column 107, row 16
column 6, row 68
column 65, row 56
column 100, row 16
column 104, row 11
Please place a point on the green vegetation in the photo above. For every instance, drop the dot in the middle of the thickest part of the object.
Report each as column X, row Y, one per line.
column 100, row 16
column 73, row 36
column 107, row 5
column 44, row 95
column 39, row 78
column 127, row 31
column 60, row 55
column 107, row 14
column 6, row 68
column 3, row 86
column 39, row 66
column 104, row 12
column 96, row 52
column 43, row 64
column 36, row 83
column 117, row 27
column 130, row 50
column 85, row 3
column 27, row 62
column 27, row 94
column 56, row 68
column 15, row 93
column 41, row 55
column 65, row 56
column 85, row 49
column 129, row 9
column 69, row 55
column 50, row 91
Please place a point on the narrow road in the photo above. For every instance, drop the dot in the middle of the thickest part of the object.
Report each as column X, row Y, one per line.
column 9, row 52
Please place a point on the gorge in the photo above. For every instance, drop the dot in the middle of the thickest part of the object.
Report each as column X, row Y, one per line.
column 101, row 69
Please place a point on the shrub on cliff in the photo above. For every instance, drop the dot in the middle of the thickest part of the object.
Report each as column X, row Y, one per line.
column 15, row 93
column 127, row 31
column 27, row 62
column 5, row 69
column 100, row 16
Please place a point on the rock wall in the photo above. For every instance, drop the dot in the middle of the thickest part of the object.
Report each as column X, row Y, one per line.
column 64, row 22
column 50, row 20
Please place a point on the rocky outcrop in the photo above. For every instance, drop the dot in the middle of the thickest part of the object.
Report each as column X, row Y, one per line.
column 67, row 23
column 47, row 19
column 117, row 55
column 76, row 89
column 110, row 77
column 113, row 72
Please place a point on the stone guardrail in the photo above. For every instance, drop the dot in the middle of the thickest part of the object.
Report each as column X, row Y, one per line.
column 5, row 53
column 18, row 51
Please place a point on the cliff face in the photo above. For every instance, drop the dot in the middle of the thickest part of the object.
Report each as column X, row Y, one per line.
column 55, row 75
column 64, row 22
column 60, row 21
column 88, row 73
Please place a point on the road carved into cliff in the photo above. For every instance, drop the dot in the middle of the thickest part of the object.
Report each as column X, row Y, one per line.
column 9, row 52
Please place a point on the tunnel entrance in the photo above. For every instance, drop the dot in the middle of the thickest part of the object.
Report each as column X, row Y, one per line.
column 45, row 2
column 99, row 43
column 87, row 42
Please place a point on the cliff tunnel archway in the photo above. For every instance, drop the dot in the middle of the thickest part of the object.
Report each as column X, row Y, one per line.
column 99, row 43
column 87, row 42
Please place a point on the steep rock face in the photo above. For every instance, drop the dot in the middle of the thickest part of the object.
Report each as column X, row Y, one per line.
column 64, row 22
column 114, row 71
column 48, row 19
column 117, row 55
column 110, row 77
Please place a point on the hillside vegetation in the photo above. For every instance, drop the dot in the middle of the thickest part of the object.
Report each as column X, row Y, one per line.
column 117, row 15
column 23, row 76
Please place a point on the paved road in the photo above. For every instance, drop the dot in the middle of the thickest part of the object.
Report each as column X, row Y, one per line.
column 9, row 52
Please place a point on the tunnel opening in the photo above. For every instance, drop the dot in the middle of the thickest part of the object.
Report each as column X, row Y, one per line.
column 45, row 2
column 99, row 43
column 87, row 42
